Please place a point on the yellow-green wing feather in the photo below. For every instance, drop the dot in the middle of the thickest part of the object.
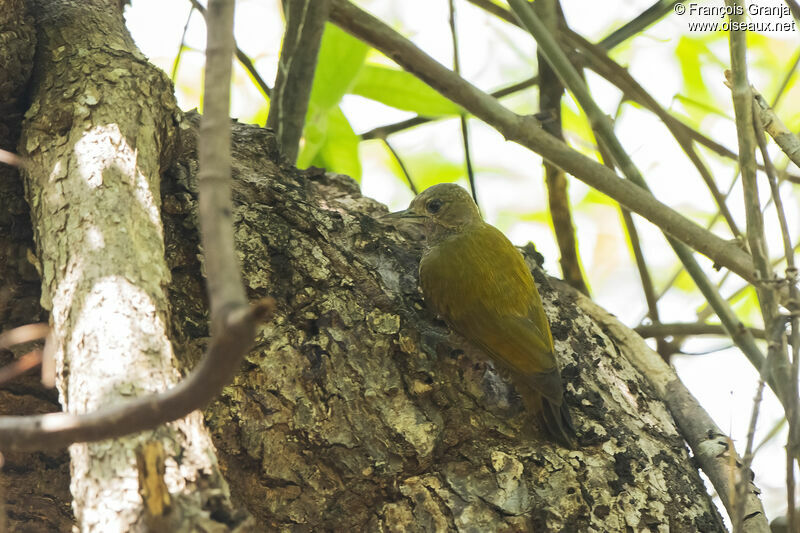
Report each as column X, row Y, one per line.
column 479, row 283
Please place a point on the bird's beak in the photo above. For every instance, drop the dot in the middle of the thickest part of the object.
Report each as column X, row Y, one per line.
column 406, row 216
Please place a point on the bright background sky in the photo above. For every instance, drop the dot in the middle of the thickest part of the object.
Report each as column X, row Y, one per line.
column 509, row 177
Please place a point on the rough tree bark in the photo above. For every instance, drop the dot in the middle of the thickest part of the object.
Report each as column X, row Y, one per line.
column 35, row 487
column 340, row 419
column 99, row 129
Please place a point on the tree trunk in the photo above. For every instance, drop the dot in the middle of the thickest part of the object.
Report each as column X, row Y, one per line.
column 341, row 420
column 100, row 127
column 342, row 417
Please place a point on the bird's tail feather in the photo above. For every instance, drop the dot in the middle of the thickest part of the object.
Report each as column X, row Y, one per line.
column 557, row 422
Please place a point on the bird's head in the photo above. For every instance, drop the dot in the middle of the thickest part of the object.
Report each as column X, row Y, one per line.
column 442, row 210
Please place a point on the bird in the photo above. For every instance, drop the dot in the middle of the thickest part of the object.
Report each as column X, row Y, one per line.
column 477, row 281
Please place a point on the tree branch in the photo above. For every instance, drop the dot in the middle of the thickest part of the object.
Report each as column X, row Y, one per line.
column 305, row 23
column 550, row 94
column 687, row 328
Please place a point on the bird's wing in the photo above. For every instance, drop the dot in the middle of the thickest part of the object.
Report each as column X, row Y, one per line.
column 479, row 283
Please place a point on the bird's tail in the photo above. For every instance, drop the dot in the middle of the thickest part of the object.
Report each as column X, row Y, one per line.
column 557, row 422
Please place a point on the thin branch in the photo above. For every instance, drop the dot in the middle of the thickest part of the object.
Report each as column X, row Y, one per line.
column 10, row 158
column 550, row 94
column 232, row 320
column 181, row 47
column 224, row 286
column 525, row 130
column 23, row 334
column 389, row 129
column 635, row 26
column 788, row 142
column 641, row 265
column 402, row 166
column 785, row 83
column 743, row 109
column 791, row 515
column 245, row 61
column 687, row 328
column 305, row 22
column 19, row 366
column 215, row 370
column 744, row 470
column 462, row 116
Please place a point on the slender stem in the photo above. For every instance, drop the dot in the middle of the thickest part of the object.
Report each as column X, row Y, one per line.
column 174, row 73
column 747, row 460
column 402, row 166
column 462, row 117
column 389, row 129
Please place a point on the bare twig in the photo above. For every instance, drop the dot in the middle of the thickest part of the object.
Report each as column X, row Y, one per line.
column 402, row 166
column 633, row 27
column 10, row 158
column 462, row 116
column 641, row 265
column 22, row 334
column 20, row 365
column 305, row 22
column 266, row 91
column 687, row 328
column 788, row 142
column 744, row 470
column 550, row 94
column 785, row 83
column 526, row 131
column 743, row 108
column 173, row 75
column 215, row 370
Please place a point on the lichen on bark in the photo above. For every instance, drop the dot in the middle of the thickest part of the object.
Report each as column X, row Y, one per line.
column 342, row 419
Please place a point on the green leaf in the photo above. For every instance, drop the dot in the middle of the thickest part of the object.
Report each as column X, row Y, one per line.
column 340, row 59
column 328, row 139
column 315, row 132
column 401, row 90
column 331, row 143
column 339, row 153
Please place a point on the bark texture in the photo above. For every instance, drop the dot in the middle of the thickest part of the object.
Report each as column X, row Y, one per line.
column 35, row 487
column 341, row 419
column 100, row 127
column 346, row 415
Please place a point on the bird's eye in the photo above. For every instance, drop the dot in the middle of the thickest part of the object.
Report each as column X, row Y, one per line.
column 434, row 206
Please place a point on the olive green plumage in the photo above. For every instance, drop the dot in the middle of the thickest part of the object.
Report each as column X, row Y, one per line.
column 475, row 279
